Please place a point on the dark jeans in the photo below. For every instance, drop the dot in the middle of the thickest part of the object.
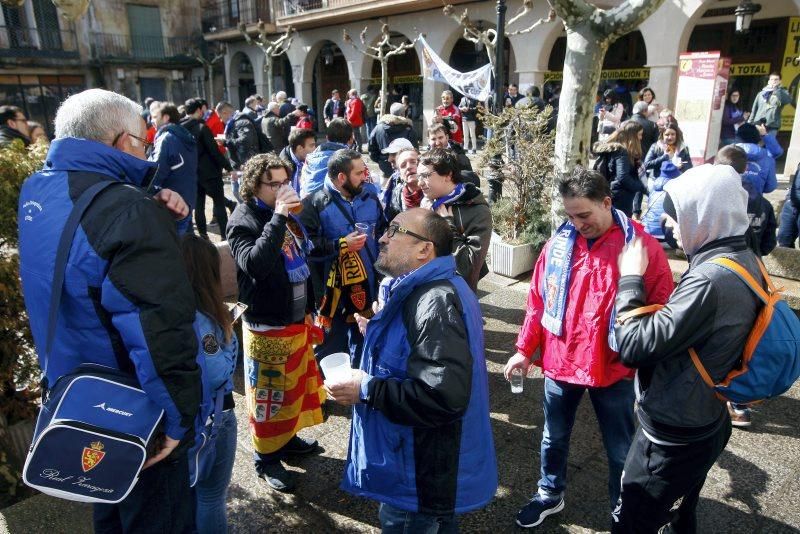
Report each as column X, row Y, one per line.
column 216, row 191
column 662, row 484
column 613, row 406
column 160, row 502
column 342, row 337
column 396, row 521
column 789, row 229
column 261, row 459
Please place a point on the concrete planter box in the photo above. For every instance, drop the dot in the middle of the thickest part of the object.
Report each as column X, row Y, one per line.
column 511, row 260
column 18, row 439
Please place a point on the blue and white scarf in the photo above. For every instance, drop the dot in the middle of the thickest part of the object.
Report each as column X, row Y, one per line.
column 295, row 247
column 449, row 199
column 558, row 269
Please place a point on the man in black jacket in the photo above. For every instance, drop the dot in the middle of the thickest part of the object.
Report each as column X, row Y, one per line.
column 276, row 128
column 302, row 142
column 683, row 425
column 13, row 125
column 270, row 247
column 210, row 164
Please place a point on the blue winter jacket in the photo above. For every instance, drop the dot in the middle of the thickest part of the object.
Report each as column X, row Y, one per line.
column 220, row 356
column 325, row 222
column 126, row 296
column 315, row 170
column 421, row 440
column 175, row 151
column 761, row 163
column 651, row 220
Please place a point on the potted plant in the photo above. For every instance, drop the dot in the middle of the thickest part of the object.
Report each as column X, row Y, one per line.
column 519, row 154
column 19, row 369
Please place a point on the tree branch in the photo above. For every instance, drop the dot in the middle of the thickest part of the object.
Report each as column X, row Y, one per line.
column 527, row 7
column 625, row 17
column 551, row 16
column 572, row 12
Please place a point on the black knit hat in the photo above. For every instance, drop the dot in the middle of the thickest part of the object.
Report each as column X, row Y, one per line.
column 748, row 133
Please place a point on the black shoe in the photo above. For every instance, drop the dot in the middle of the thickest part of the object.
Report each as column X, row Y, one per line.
column 230, row 204
column 204, row 236
column 298, row 446
column 533, row 513
column 277, row 477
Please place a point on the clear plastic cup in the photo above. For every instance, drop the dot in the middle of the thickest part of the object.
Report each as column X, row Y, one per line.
column 362, row 228
column 517, row 379
column 336, row 367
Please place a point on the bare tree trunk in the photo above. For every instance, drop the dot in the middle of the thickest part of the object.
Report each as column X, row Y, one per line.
column 384, row 85
column 268, row 67
column 210, row 96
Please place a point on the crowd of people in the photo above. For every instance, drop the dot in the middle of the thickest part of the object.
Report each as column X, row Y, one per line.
column 385, row 269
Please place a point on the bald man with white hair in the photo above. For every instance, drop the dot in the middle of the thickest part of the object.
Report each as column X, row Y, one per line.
column 276, row 128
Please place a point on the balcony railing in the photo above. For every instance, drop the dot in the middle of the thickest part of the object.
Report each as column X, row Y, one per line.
column 222, row 15
column 30, row 42
column 144, row 48
column 287, row 8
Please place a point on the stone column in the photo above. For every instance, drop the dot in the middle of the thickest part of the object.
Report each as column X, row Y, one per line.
column 664, row 82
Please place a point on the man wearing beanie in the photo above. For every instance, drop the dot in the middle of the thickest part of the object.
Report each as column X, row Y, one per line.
column 762, row 150
column 683, row 425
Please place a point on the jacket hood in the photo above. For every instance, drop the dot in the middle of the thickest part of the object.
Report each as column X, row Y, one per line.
column 190, row 122
column 601, row 147
column 323, row 152
column 181, row 133
column 441, row 268
column 710, row 204
column 753, row 151
column 394, row 120
column 73, row 154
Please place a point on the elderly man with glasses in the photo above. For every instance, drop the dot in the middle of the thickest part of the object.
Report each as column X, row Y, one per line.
column 127, row 301
column 421, row 443
column 13, row 125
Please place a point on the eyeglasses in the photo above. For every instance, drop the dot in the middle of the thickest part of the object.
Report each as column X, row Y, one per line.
column 147, row 144
column 424, row 176
column 276, row 185
column 394, row 228
column 19, row 119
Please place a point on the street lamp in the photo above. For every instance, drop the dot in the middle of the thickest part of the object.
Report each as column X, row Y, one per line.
column 744, row 15
column 500, row 69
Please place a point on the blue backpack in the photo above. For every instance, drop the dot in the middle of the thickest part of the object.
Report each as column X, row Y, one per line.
column 771, row 358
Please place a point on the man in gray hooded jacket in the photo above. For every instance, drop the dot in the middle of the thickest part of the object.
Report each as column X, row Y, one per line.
column 683, row 425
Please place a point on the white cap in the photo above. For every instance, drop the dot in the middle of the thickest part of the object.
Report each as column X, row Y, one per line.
column 397, row 145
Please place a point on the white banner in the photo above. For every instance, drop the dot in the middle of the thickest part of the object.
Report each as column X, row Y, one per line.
column 474, row 84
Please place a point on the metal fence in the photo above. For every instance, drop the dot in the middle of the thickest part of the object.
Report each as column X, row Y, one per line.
column 144, row 48
column 287, row 8
column 16, row 41
column 227, row 14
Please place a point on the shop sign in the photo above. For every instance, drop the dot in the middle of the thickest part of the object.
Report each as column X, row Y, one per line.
column 612, row 74
column 749, row 69
column 790, row 72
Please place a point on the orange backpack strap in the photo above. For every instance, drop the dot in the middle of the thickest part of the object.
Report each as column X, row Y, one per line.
column 644, row 310
column 700, row 368
column 746, row 277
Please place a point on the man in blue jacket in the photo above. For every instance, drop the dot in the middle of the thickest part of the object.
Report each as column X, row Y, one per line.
column 339, row 136
column 126, row 296
column 762, row 150
column 175, row 151
column 343, row 256
column 421, row 440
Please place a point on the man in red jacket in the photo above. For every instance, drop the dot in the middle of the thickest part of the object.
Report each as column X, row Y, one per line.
column 450, row 111
column 570, row 320
column 354, row 113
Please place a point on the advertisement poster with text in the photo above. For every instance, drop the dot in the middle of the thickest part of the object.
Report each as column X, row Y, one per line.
column 790, row 72
column 702, row 83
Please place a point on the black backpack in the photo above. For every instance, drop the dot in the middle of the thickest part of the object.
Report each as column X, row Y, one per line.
column 264, row 144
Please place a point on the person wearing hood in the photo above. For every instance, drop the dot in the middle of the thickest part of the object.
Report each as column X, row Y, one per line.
column 683, row 425
column 127, row 300
column 175, row 151
column 769, row 103
column 621, row 156
column 390, row 127
column 760, row 159
column 312, row 177
column 210, row 164
column 464, row 207
column 651, row 219
column 13, row 125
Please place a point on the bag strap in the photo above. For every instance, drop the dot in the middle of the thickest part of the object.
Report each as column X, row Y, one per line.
column 349, row 217
column 643, row 310
column 62, row 255
column 747, row 278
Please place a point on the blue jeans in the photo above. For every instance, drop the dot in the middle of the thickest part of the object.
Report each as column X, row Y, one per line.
column 789, row 228
column 396, row 521
column 211, row 493
column 342, row 337
column 614, row 408
column 371, row 122
column 184, row 226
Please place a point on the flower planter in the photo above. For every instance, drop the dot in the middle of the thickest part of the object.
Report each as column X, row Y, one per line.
column 511, row 260
column 19, row 439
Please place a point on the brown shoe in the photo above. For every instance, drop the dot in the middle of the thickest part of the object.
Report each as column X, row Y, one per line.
column 740, row 415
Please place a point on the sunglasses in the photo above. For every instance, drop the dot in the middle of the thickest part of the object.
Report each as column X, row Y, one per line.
column 147, row 144
column 394, row 228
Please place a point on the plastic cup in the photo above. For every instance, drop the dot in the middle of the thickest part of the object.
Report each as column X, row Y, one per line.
column 336, row 367
column 362, row 228
column 517, row 379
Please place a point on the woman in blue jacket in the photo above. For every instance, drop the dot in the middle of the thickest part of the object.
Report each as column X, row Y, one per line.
column 651, row 220
column 217, row 342
column 669, row 147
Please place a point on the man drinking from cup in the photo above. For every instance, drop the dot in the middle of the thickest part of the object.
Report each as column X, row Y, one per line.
column 282, row 382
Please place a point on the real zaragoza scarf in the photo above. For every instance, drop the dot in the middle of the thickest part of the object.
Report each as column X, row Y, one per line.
column 449, row 199
column 347, row 288
column 558, row 268
column 296, row 246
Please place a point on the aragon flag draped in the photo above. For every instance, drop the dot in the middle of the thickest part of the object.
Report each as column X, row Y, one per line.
column 283, row 384
column 475, row 83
